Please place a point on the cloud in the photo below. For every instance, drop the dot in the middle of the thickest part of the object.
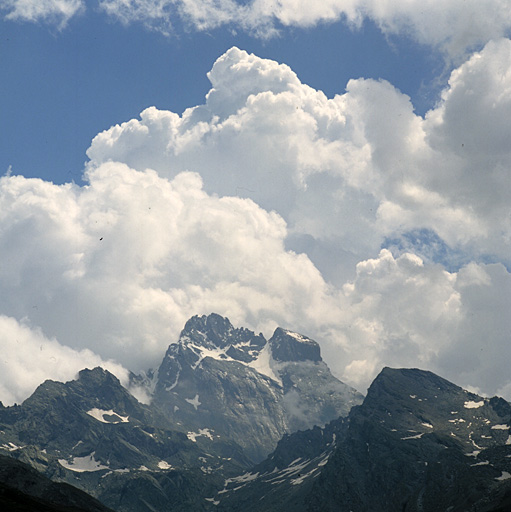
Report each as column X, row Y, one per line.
column 118, row 266
column 270, row 204
column 453, row 27
column 29, row 358
column 345, row 172
column 57, row 12
column 401, row 312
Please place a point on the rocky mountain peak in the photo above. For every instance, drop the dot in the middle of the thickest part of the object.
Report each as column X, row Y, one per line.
column 97, row 376
column 220, row 377
column 289, row 346
column 400, row 383
column 210, row 330
column 216, row 332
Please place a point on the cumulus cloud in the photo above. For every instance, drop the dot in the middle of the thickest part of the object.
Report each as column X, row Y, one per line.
column 343, row 172
column 57, row 12
column 118, row 266
column 270, row 204
column 29, row 358
column 401, row 312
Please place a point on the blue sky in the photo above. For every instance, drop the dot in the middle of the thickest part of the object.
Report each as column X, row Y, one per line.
column 61, row 87
column 340, row 168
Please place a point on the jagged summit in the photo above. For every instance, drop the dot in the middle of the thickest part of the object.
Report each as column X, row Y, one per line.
column 217, row 335
column 290, row 346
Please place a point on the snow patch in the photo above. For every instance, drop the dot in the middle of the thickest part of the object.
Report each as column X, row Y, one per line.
column 473, row 405
column 505, row 476
column 172, row 386
column 418, row 436
column 83, row 464
column 111, row 416
column 194, row 401
column 301, row 479
column 324, row 461
column 205, row 432
column 202, row 352
column 11, row 447
column 500, row 427
column 76, row 445
column 296, row 336
column 164, row 465
column 263, row 364
column 427, row 425
column 242, row 479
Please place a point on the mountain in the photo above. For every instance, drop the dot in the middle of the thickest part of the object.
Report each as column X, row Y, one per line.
column 23, row 488
column 222, row 399
column 239, row 386
column 417, row 443
column 93, row 434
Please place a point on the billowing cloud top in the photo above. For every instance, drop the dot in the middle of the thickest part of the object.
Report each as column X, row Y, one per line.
column 351, row 219
column 454, row 26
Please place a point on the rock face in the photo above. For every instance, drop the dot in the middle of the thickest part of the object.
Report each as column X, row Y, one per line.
column 241, row 386
column 417, row 443
column 287, row 346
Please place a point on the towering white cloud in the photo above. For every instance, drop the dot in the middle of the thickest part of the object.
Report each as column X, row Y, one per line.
column 193, row 213
column 348, row 171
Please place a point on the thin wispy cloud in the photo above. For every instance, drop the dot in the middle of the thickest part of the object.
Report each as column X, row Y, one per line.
column 54, row 12
column 454, row 26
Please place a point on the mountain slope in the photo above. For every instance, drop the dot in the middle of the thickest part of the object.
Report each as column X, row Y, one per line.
column 23, row 488
column 417, row 443
column 223, row 398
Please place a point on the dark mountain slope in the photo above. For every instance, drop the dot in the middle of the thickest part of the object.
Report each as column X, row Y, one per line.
column 22, row 488
column 418, row 443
